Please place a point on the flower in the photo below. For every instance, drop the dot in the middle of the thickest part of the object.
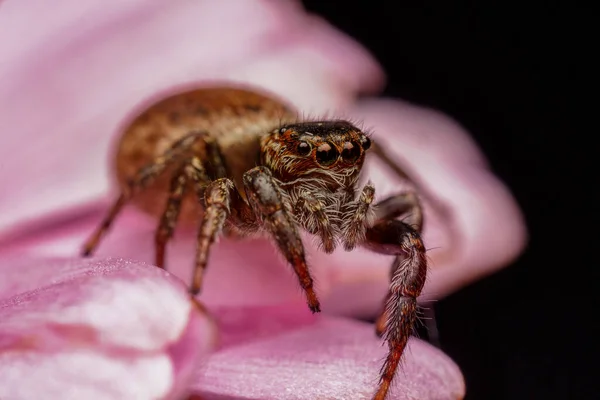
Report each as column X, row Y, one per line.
column 112, row 327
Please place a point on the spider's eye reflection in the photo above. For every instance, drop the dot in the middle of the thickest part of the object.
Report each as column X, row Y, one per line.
column 351, row 151
column 327, row 154
column 366, row 142
column 303, row 148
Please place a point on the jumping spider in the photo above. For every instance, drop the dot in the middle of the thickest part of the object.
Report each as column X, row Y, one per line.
column 236, row 160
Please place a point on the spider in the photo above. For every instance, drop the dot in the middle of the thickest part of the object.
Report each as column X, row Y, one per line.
column 241, row 163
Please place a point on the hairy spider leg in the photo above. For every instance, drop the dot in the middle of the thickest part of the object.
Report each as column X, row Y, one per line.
column 357, row 220
column 218, row 200
column 404, row 205
column 268, row 204
column 167, row 222
column 221, row 202
column 407, row 277
column 317, row 221
column 215, row 162
column 193, row 170
column 145, row 177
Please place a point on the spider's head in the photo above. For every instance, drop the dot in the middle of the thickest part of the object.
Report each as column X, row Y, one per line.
column 332, row 150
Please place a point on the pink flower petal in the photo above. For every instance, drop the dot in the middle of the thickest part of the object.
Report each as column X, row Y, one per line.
column 318, row 358
column 79, row 70
column 244, row 272
column 489, row 228
column 96, row 329
column 63, row 97
column 113, row 328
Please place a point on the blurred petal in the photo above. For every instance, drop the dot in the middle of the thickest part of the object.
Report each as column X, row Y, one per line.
column 79, row 70
column 113, row 328
column 319, row 358
column 63, row 100
column 101, row 329
column 489, row 230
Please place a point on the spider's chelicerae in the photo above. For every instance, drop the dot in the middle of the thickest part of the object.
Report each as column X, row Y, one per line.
column 241, row 163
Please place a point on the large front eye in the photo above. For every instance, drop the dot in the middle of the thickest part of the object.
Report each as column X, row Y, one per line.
column 351, row 151
column 303, row 148
column 327, row 154
column 366, row 143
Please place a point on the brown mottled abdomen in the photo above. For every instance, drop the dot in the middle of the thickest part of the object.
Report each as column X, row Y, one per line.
column 236, row 118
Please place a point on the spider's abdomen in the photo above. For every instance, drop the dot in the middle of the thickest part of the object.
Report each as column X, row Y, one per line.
column 235, row 118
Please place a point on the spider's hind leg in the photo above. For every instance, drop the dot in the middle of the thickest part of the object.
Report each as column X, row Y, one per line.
column 145, row 177
column 166, row 226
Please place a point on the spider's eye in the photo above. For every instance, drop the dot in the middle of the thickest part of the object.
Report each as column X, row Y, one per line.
column 351, row 151
column 303, row 148
column 366, row 143
column 327, row 154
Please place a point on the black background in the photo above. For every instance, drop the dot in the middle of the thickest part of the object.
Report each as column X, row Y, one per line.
column 515, row 76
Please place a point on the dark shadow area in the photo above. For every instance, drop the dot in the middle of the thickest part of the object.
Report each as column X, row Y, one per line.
column 515, row 76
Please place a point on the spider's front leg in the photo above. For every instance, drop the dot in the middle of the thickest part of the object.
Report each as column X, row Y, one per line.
column 264, row 195
column 409, row 270
column 222, row 201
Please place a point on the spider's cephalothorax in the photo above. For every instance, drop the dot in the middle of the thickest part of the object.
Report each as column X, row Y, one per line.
column 234, row 159
column 317, row 165
column 332, row 152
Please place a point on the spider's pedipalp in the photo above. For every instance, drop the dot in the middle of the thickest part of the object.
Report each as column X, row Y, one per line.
column 315, row 220
column 265, row 197
column 356, row 217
